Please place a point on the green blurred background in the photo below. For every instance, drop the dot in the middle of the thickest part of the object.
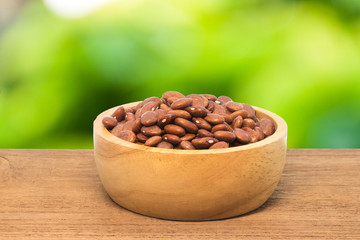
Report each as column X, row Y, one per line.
column 299, row 59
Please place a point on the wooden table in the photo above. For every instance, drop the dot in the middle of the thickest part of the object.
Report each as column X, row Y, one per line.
column 56, row 194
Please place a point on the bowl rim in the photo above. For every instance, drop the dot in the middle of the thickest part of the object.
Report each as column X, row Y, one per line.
column 280, row 132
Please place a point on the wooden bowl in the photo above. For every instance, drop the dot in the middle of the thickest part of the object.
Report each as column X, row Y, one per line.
column 190, row 184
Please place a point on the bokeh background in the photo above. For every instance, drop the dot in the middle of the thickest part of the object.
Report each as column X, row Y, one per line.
column 62, row 63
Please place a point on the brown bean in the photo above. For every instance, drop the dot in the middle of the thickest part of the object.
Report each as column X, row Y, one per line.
column 137, row 126
column 163, row 100
column 172, row 100
column 248, row 122
column 188, row 137
column 127, row 135
column 134, row 109
column 227, row 117
column 252, row 134
column 119, row 114
column 171, row 138
column 130, row 116
column 218, row 145
column 165, row 107
column 198, row 100
column 204, row 133
column 131, row 109
column 155, row 102
column 210, row 97
column 137, row 113
column 267, row 126
column 237, row 122
column 211, row 106
column 205, row 100
column 187, row 145
column 201, row 123
column 149, row 118
column 160, row 113
column 139, row 105
column 260, row 133
column 164, row 144
column 181, row 103
column 242, row 113
column 153, row 141
column 225, row 136
column 187, row 125
column 229, row 128
column 234, row 106
column 174, row 129
column 241, row 136
column 170, row 94
column 250, row 110
column 219, row 109
column 180, row 113
column 219, row 127
column 141, row 137
column 129, row 125
column 196, row 111
column 224, row 99
column 168, row 118
column 214, row 119
column 202, row 143
column 109, row 122
column 150, row 106
column 118, row 128
column 152, row 99
column 189, row 118
column 151, row 131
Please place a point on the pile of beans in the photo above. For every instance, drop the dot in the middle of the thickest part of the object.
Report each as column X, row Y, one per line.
column 197, row 121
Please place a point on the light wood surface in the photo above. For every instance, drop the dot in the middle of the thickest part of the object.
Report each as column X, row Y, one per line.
column 57, row 194
column 190, row 184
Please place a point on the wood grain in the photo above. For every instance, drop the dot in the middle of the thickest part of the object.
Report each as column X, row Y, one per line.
column 56, row 194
